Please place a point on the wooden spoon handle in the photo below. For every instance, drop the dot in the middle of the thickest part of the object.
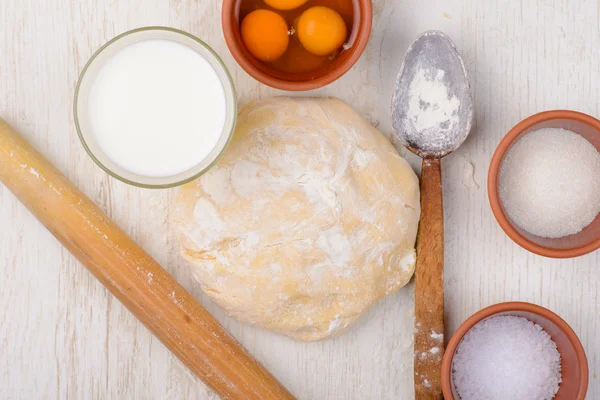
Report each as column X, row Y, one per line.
column 429, row 286
column 147, row 290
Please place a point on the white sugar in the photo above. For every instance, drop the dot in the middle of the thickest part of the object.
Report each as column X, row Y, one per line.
column 506, row 357
column 549, row 183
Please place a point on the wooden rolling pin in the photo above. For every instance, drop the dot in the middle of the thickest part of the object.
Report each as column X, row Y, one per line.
column 132, row 276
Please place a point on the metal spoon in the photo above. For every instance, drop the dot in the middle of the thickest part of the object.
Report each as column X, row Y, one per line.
column 432, row 114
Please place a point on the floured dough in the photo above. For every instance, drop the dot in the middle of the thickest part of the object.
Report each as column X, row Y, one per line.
column 308, row 219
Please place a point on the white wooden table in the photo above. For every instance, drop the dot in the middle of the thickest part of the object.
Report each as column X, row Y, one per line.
column 62, row 336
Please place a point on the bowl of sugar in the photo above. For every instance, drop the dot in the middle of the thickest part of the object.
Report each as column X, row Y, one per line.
column 544, row 184
column 516, row 351
column 155, row 107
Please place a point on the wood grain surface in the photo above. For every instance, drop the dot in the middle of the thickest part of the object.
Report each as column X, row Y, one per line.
column 190, row 332
column 63, row 336
column 429, row 286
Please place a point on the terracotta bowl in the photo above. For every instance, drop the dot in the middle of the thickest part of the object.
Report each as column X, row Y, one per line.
column 573, row 359
column 295, row 82
column 576, row 245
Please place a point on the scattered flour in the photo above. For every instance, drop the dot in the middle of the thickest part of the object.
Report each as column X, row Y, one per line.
column 336, row 245
column 34, row 172
column 408, row 260
column 208, row 220
column 468, row 179
column 334, row 324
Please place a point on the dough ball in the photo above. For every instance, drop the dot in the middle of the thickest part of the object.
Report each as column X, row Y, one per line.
column 307, row 220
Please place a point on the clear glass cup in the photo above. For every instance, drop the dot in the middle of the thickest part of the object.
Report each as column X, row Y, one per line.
column 89, row 74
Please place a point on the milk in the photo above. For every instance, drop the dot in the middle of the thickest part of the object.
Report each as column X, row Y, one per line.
column 157, row 108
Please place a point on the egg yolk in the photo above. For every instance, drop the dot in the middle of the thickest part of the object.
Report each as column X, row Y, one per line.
column 285, row 4
column 265, row 34
column 321, row 30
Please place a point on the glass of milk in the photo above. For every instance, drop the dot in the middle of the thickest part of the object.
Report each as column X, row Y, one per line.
column 155, row 107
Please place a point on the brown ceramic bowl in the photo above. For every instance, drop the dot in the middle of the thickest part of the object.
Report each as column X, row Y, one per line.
column 296, row 82
column 576, row 245
column 573, row 359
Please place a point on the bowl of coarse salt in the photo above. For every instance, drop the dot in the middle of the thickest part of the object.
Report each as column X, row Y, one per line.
column 516, row 351
column 544, row 184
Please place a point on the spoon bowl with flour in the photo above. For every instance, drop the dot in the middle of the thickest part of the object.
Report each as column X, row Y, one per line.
column 432, row 107
column 432, row 115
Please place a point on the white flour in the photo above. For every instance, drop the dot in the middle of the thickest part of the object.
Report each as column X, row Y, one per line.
column 432, row 111
column 336, row 245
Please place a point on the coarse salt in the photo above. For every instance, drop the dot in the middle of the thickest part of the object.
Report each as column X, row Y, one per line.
column 506, row 357
column 549, row 183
